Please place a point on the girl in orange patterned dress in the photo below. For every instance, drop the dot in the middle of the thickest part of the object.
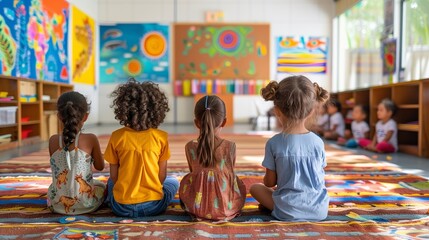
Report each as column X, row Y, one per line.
column 211, row 190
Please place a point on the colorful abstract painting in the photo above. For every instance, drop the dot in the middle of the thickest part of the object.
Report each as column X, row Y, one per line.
column 134, row 50
column 34, row 39
column 302, row 54
column 389, row 56
column 221, row 51
column 83, row 43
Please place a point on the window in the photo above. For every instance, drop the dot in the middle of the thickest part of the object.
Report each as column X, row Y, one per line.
column 359, row 32
column 415, row 47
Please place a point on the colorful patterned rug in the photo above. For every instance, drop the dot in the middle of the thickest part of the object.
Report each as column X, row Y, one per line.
column 369, row 200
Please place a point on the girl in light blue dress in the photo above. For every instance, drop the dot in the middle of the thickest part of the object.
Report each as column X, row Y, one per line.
column 294, row 186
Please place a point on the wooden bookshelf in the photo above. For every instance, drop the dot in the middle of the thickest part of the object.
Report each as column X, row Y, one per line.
column 412, row 117
column 50, row 123
column 29, row 124
column 359, row 96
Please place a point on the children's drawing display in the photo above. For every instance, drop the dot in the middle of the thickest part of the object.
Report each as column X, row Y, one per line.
column 301, row 54
column 134, row 50
column 83, row 43
column 34, row 39
column 216, row 52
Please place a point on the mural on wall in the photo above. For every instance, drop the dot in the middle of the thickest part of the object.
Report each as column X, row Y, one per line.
column 83, row 42
column 221, row 51
column 389, row 57
column 134, row 50
column 34, row 39
column 302, row 54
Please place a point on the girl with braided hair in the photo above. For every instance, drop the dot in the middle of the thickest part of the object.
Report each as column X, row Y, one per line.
column 73, row 189
column 211, row 190
column 295, row 158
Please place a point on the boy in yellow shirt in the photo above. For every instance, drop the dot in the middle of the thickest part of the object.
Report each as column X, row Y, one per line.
column 138, row 185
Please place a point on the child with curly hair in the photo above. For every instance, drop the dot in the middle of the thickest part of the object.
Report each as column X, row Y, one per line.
column 73, row 189
column 138, row 152
column 211, row 190
column 295, row 158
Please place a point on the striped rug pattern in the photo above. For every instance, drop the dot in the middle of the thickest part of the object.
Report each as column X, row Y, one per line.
column 369, row 200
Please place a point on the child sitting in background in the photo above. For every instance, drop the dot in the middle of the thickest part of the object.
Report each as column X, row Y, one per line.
column 322, row 123
column 336, row 121
column 294, row 159
column 385, row 138
column 73, row 189
column 138, row 185
column 211, row 190
column 360, row 128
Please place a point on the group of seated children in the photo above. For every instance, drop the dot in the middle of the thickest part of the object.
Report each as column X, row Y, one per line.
column 137, row 154
column 331, row 126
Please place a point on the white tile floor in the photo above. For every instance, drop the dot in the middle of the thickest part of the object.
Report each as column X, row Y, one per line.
column 409, row 163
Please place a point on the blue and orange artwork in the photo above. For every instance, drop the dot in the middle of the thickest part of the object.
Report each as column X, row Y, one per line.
column 34, row 37
column 134, row 50
column 302, row 54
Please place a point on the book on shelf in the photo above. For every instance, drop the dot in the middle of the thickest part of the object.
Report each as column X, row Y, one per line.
column 5, row 138
column 6, row 99
column 46, row 98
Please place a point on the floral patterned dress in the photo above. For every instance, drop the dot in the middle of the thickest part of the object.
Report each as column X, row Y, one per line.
column 73, row 190
column 213, row 193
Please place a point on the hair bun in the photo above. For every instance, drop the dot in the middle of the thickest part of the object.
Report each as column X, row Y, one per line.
column 269, row 92
column 321, row 94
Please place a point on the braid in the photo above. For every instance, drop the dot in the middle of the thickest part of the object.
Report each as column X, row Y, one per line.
column 70, row 124
column 72, row 107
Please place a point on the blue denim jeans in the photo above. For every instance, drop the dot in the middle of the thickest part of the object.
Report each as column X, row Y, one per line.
column 151, row 208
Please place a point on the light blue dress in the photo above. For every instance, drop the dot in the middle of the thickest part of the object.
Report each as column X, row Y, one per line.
column 298, row 160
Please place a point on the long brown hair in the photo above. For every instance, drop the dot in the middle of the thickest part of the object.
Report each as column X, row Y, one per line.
column 210, row 113
column 296, row 97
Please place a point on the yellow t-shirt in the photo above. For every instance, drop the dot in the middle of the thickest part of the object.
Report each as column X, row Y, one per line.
column 137, row 153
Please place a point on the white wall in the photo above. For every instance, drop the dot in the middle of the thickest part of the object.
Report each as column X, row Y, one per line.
column 91, row 92
column 286, row 17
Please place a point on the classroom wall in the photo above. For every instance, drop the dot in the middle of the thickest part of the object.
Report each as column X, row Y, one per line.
column 287, row 17
column 91, row 92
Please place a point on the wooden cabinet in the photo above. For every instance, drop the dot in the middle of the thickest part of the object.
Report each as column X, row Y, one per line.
column 32, row 100
column 50, row 93
column 412, row 117
column 348, row 98
column 9, row 129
